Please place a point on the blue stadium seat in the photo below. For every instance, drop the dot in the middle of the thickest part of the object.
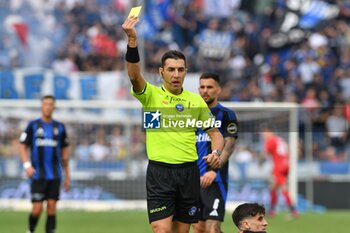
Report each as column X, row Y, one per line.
column 334, row 168
column 104, row 166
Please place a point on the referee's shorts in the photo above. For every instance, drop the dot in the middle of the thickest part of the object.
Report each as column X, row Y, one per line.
column 173, row 189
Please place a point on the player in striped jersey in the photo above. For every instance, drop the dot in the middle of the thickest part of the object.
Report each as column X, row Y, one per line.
column 214, row 183
column 47, row 141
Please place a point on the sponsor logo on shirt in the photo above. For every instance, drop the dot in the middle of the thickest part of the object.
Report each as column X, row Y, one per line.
column 203, row 137
column 46, row 142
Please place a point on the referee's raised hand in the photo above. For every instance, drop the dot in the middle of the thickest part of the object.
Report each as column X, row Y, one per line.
column 213, row 160
column 130, row 30
column 132, row 55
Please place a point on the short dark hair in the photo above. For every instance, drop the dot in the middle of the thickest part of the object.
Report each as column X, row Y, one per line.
column 48, row 97
column 208, row 75
column 173, row 54
column 246, row 210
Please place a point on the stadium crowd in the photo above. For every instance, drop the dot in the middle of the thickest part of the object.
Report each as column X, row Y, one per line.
column 230, row 37
column 89, row 141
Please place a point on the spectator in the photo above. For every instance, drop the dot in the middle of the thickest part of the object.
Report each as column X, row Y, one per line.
column 214, row 46
column 82, row 150
column 344, row 83
column 64, row 64
column 337, row 130
column 118, row 143
column 307, row 69
column 98, row 150
column 243, row 157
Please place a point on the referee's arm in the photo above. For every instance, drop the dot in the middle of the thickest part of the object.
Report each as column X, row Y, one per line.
column 217, row 143
column 132, row 55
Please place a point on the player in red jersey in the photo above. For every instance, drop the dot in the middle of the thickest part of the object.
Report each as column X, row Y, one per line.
column 277, row 147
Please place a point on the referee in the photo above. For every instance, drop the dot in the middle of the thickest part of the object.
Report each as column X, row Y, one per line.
column 47, row 141
column 172, row 178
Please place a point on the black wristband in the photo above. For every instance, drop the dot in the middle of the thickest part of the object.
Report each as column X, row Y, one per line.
column 132, row 55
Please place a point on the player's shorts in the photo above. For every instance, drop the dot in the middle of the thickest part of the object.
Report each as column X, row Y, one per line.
column 281, row 175
column 212, row 202
column 173, row 189
column 45, row 189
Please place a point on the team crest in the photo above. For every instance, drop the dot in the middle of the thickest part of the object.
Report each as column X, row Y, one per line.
column 55, row 131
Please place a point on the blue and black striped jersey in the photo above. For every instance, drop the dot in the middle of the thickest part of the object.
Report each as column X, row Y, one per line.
column 45, row 141
column 229, row 128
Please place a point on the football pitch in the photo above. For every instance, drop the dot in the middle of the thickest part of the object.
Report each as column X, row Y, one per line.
column 136, row 222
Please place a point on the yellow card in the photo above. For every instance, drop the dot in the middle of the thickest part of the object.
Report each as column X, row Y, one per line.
column 135, row 11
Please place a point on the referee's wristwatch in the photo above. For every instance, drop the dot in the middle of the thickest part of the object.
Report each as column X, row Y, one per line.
column 218, row 152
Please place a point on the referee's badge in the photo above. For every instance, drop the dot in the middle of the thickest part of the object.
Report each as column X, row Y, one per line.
column 179, row 107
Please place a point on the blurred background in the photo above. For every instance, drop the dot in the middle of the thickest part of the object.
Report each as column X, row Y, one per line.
column 268, row 53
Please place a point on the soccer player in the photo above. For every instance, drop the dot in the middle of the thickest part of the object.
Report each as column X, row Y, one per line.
column 249, row 218
column 172, row 179
column 47, row 140
column 214, row 183
column 277, row 147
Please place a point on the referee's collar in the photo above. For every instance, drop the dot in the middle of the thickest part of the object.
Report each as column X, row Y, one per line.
column 165, row 90
column 247, row 231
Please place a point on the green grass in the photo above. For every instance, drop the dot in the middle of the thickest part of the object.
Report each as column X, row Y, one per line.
column 136, row 222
